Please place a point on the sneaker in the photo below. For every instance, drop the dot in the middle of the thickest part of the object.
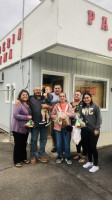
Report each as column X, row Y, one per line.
column 43, row 160
column 94, row 169
column 54, row 150
column 68, row 161
column 47, row 124
column 88, row 164
column 42, row 122
column 59, row 160
column 33, row 160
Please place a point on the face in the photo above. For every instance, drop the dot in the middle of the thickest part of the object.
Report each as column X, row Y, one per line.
column 87, row 99
column 37, row 91
column 48, row 90
column 57, row 89
column 62, row 98
column 24, row 96
column 77, row 96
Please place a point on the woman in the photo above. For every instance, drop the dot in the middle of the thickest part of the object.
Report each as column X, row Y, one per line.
column 61, row 114
column 21, row 115
column 92, row 117
column 77, row 106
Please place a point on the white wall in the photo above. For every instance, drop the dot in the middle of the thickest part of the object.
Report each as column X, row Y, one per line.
column 74, row 30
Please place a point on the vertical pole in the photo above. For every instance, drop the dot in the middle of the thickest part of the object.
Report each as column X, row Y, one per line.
column 10, row 111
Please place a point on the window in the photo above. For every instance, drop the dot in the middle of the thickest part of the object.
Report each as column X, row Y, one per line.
column 98, row 88
column 7, row 93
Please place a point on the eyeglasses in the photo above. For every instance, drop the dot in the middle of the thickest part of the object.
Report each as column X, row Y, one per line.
column 86, row 98
column 61, row 96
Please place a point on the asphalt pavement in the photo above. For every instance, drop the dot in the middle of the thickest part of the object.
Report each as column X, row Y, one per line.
column 53, row 181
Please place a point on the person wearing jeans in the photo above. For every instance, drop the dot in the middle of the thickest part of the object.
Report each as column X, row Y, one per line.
column 92, row 117
column 43, row 131
column 61, row 114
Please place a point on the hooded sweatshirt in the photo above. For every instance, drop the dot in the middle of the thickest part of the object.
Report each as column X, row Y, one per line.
column 92, row 116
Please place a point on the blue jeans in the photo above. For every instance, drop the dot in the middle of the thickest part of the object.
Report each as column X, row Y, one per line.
column 43, row 140
column 63, row 136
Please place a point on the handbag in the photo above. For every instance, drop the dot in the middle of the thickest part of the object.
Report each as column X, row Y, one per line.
column 76, row 135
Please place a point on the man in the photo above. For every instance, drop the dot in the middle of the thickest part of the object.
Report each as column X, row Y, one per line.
column 35, row 103
column 55, row 94
column 77, row 106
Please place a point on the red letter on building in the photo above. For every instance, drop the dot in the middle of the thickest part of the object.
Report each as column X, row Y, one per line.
column 3, row 46
column 104, row 24
column 0, row 60
column 5, row 57
column 0, row 49
column 8, row 42
column 19, row 34
column 13, row 38
column 110, row 44
column 10, row 54
column 91, row 16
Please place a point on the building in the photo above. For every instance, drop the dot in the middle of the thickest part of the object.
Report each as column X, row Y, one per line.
column 65, row 41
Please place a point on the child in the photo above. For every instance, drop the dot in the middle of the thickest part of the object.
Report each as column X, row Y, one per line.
column 47, row 101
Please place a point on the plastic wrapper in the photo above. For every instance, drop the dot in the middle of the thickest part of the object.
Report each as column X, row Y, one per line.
column 76, row 135
column 30, row 124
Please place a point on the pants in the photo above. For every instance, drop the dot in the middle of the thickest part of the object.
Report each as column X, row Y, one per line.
column 91, row 142
column 43, row 140
column 78, row 147
column 63, row 136
column 45, row 112
column 20, row 143
column 53, row 135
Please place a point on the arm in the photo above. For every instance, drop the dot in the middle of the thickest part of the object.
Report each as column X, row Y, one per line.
column 47, row 106
column 98, row 120
column 17, row 113
column 70, row 112
column 53, row 113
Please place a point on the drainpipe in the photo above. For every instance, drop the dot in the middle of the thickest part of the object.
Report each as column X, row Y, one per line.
column 31, row 76
column 10, row 111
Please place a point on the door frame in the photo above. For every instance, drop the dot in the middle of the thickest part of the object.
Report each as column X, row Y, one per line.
column 66, row 77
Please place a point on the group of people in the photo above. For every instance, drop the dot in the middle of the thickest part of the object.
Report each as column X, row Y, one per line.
column 54, row 108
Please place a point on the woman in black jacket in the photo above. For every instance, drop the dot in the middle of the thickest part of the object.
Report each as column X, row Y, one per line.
column 92, row 117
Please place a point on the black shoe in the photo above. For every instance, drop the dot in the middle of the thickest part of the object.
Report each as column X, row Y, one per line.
column 42, row 122
column 54, row 150
column 47, row 124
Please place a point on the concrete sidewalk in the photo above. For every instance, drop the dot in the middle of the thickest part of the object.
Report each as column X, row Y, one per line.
column 50, row 181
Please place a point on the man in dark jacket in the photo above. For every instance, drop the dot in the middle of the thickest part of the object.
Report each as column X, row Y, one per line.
column 35, row 103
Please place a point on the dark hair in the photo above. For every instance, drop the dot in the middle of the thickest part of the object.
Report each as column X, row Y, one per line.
column 20, row 93
column 86, row 93
column 63, row 93
column 57, row 84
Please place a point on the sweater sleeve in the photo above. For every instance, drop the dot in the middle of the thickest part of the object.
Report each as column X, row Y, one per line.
column 98, row 118
column 17, row 113
column 70, row 112
column 53, row 113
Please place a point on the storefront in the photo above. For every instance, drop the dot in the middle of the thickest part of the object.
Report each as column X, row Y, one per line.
column 63, row 41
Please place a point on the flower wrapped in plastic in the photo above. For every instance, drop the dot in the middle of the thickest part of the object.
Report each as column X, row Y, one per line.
column 30, row 124
column 79, row 123
column 62, row 122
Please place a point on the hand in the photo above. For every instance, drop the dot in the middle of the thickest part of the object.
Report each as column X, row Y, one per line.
column 96, row 132
column 63, row 117
column 17, row 102
column 45, row 95
column 44, row 105
column 29, row 117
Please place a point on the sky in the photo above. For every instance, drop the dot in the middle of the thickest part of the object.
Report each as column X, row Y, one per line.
column 11, row 12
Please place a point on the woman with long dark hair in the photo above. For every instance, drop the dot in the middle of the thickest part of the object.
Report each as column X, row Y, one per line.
column 92, row 118
column 21, row 115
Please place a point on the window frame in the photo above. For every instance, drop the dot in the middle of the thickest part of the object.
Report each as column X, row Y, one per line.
column 95, row 78
column 8, row 100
